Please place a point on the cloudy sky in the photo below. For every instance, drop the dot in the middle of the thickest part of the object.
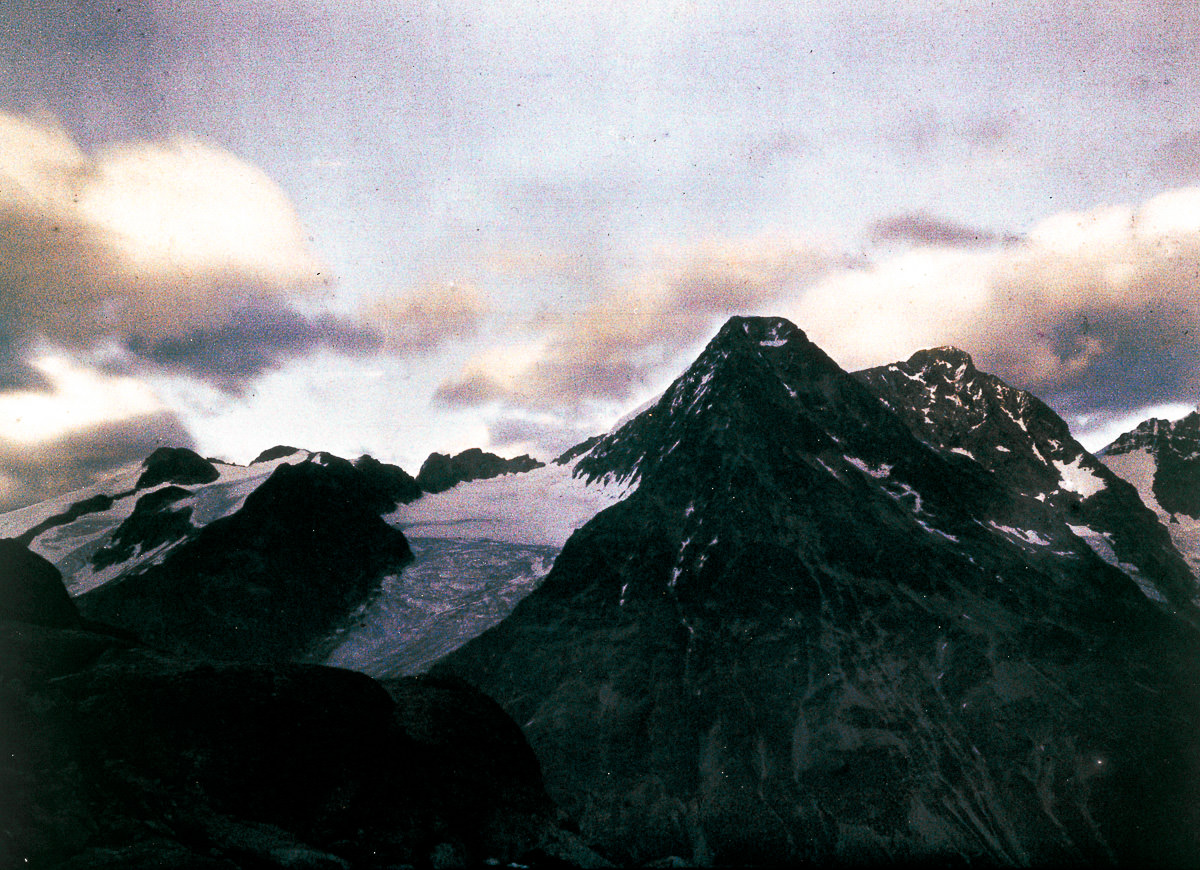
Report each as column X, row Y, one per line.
column 389, row 227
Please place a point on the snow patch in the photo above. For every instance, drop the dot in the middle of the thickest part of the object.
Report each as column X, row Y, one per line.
column 70, row 546
column 905, row 491
column 1029, row 536
column 1076, row 478
column 949, row 537
column 1101, row 545
column 879, row 472
column 827, row 468
column 1138, row 468
column 1016, row 419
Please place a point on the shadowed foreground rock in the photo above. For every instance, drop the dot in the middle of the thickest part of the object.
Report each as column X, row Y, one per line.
column 113, row 755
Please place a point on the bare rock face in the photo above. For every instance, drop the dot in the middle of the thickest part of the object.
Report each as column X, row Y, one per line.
column 949, row 404
column 816, row 633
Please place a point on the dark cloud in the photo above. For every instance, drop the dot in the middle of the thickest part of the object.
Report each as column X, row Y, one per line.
column 988, row 132
column 34, row 473
column 1094, row 311
column 781, row 145
column 1087, row 350
column 254, row 340
column 1178, row 160
column 922, row 228
column 469, row 390
column 428, row 316
column 99, row 64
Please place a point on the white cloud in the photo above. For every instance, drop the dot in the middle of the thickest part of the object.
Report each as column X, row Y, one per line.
column 153, row 240
column 79, row 399
column 1091, row 308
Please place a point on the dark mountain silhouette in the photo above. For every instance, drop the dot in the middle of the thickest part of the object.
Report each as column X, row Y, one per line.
column 813, row 632
column 440, row 472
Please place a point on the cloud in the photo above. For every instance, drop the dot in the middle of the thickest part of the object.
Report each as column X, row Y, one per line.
column 1091, row 310
column 610, row 347
column 1095, row 311
column 546, row 436
column 189, row 258
column 922, row 228
column 1178, row 160
column 254, row 340
column 71, row 398
column 30, row 474
column 428, row 316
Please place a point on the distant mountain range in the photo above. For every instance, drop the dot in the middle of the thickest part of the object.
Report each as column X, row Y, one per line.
column 798, row 614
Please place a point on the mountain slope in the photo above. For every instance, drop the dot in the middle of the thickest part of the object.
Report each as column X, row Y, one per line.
column 248, row 563
column 808, row 634
column 200, row 556
column 953, row 406
column 1161, row 458
column 264, row 583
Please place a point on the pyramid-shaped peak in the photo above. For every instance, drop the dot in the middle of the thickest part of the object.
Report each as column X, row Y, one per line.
column 766, row 331
column 947, row 356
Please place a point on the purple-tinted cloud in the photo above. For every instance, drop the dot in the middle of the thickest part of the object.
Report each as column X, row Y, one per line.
column 32, row 473
column 922, row 228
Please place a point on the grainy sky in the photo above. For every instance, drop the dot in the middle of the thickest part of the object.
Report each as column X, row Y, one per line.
column 393, row 228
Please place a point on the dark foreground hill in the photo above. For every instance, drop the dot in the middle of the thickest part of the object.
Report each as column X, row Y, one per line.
column 814, row 634
column 116, row 756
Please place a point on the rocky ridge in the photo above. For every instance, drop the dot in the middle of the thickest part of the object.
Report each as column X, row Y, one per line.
column 1029, row 449
column 439, row 472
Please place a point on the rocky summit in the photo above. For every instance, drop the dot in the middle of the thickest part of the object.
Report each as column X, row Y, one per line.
column 267, row 582
column 440, row 472
column 821, row 629
column 248, row 563
column 1029, row 449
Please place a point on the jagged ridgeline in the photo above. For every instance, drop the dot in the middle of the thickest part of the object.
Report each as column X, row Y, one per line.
column 253, row 564
column 818, row 631
column 1162, row 459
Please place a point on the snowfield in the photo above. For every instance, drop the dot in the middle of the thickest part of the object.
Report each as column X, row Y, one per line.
column 542, row 507
column 71, row 546
column 453, row 591
column 1138, row 467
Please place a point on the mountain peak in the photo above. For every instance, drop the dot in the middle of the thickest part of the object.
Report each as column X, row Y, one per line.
column 1156, row 434
column 764, row 331
column 946, row 355
column 758, row 375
